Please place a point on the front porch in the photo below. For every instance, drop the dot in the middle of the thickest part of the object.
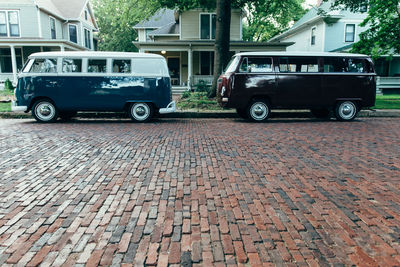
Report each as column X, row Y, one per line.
column 192, row 61
column 388, row 70
column 15, row 53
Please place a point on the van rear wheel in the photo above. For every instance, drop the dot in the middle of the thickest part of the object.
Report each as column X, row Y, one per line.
column 44, row 111
column 258, row 111
column 141, row 112
column 346, row 110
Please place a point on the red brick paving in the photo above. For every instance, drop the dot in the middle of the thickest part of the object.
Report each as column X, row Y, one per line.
column 219, row 192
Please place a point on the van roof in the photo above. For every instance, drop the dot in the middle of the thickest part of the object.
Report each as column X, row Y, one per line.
column 94, row 54
column 301, row 53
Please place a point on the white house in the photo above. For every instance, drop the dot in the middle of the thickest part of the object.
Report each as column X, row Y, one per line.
column 337, row 31
column 29, row 26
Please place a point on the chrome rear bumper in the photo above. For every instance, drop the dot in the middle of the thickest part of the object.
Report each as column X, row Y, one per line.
column 169, row 109
column 16, row 108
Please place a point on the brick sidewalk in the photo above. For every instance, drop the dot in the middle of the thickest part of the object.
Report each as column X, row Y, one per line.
column 203, row 192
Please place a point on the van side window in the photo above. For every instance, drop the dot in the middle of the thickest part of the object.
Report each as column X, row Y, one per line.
column 148, row 66
column 256, row 65
column 356, row 65
column 298, row 64
column 97, row 65
column 121, row 66
column 48, row 65
column 72, row 65
column 334, row 64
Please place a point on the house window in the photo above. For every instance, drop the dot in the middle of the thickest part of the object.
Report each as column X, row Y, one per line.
column 86, row 15
column 208, row 26
column 313, row 30
column 5, row 60
column 73, row 33
column 53, row 28
column 9, row 24
column 88, row 43
column 206, row 63
column 363, row 8
column 350, row 32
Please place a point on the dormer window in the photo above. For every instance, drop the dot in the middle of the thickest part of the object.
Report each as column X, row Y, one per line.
column 208, row 26
column 86, row 14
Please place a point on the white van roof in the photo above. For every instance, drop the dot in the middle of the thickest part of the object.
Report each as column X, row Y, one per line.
column 94, row 54
column 301, row 54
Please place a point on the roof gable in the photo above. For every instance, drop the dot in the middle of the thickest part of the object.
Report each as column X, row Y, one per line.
column 162, row 18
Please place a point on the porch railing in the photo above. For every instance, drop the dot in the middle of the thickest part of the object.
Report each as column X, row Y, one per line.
column 388, row 82
column 206, row 78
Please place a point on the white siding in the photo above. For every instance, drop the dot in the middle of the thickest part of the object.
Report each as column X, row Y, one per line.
column 302, row 39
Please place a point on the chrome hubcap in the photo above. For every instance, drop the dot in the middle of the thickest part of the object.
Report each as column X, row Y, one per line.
column 347, row 110
column 45, row 111
column 140, row 111
column 259, row 111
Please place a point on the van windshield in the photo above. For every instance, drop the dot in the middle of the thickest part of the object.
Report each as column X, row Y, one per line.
column 231, row 67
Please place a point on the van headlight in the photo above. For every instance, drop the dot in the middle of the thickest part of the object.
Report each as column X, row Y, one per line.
column 223, row 89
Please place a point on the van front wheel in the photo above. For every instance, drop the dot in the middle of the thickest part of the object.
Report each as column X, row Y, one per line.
column 44, row 111
column 258, row 111
column 141, row 112
column 346, row 111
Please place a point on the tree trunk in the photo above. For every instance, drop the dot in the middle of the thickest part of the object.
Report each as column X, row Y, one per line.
column 222, row 40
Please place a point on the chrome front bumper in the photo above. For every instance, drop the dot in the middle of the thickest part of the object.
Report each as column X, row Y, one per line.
column 169, row 109
column 16, row 108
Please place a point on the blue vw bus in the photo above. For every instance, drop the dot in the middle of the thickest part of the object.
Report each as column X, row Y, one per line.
column 59, row 84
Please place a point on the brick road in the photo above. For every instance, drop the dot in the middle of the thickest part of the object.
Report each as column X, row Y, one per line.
column 220, row 192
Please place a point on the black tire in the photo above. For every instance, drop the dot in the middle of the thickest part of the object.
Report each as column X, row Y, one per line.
column 321, row 113
column 141, row 111
column 346, row 110
column 67, row 115
column 242, row 113
column 258, row 110
column 44, row 111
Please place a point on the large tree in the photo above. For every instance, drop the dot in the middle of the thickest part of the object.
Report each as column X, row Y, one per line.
column 116, row 19
column 271, row 18
column 383, row 22
column 273, row 10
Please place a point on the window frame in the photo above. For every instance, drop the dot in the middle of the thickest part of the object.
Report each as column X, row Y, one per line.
column 120, row 73
column 313, row 35
column 246, row 59
column 8, row 24
column 55, row 28
column 345, row 32
column 89, row 38
column 69, row 33
column 210, row 15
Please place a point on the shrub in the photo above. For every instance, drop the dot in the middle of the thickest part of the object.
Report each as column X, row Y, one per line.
column 186, row 94
column 202, row 86
column 8, row 85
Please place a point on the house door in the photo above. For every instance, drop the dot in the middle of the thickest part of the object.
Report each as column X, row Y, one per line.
column 174, row 70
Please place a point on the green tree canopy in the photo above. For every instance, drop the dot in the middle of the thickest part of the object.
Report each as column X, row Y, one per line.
column 268, row 18
column 116, row 19
column 383, row 22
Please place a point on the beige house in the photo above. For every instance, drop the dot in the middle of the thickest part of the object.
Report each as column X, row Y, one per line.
column 186, row 39
column 29, row 26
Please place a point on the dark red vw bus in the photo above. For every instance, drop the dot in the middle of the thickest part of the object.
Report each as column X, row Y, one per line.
column 326, row 83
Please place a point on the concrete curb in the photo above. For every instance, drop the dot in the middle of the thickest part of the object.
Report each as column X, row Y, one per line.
column 213, row 114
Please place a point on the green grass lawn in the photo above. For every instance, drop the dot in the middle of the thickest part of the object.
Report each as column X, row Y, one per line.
column 5, row 107
column 387, row 102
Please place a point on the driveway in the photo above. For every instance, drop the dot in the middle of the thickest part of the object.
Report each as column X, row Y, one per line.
column 200, row 192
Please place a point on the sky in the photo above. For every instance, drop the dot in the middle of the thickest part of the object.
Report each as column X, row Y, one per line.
column 311, row 2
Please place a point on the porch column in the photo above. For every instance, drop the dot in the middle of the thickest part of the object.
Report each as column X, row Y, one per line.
column 62, row 48
column 14, row 64
column 190, row 55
